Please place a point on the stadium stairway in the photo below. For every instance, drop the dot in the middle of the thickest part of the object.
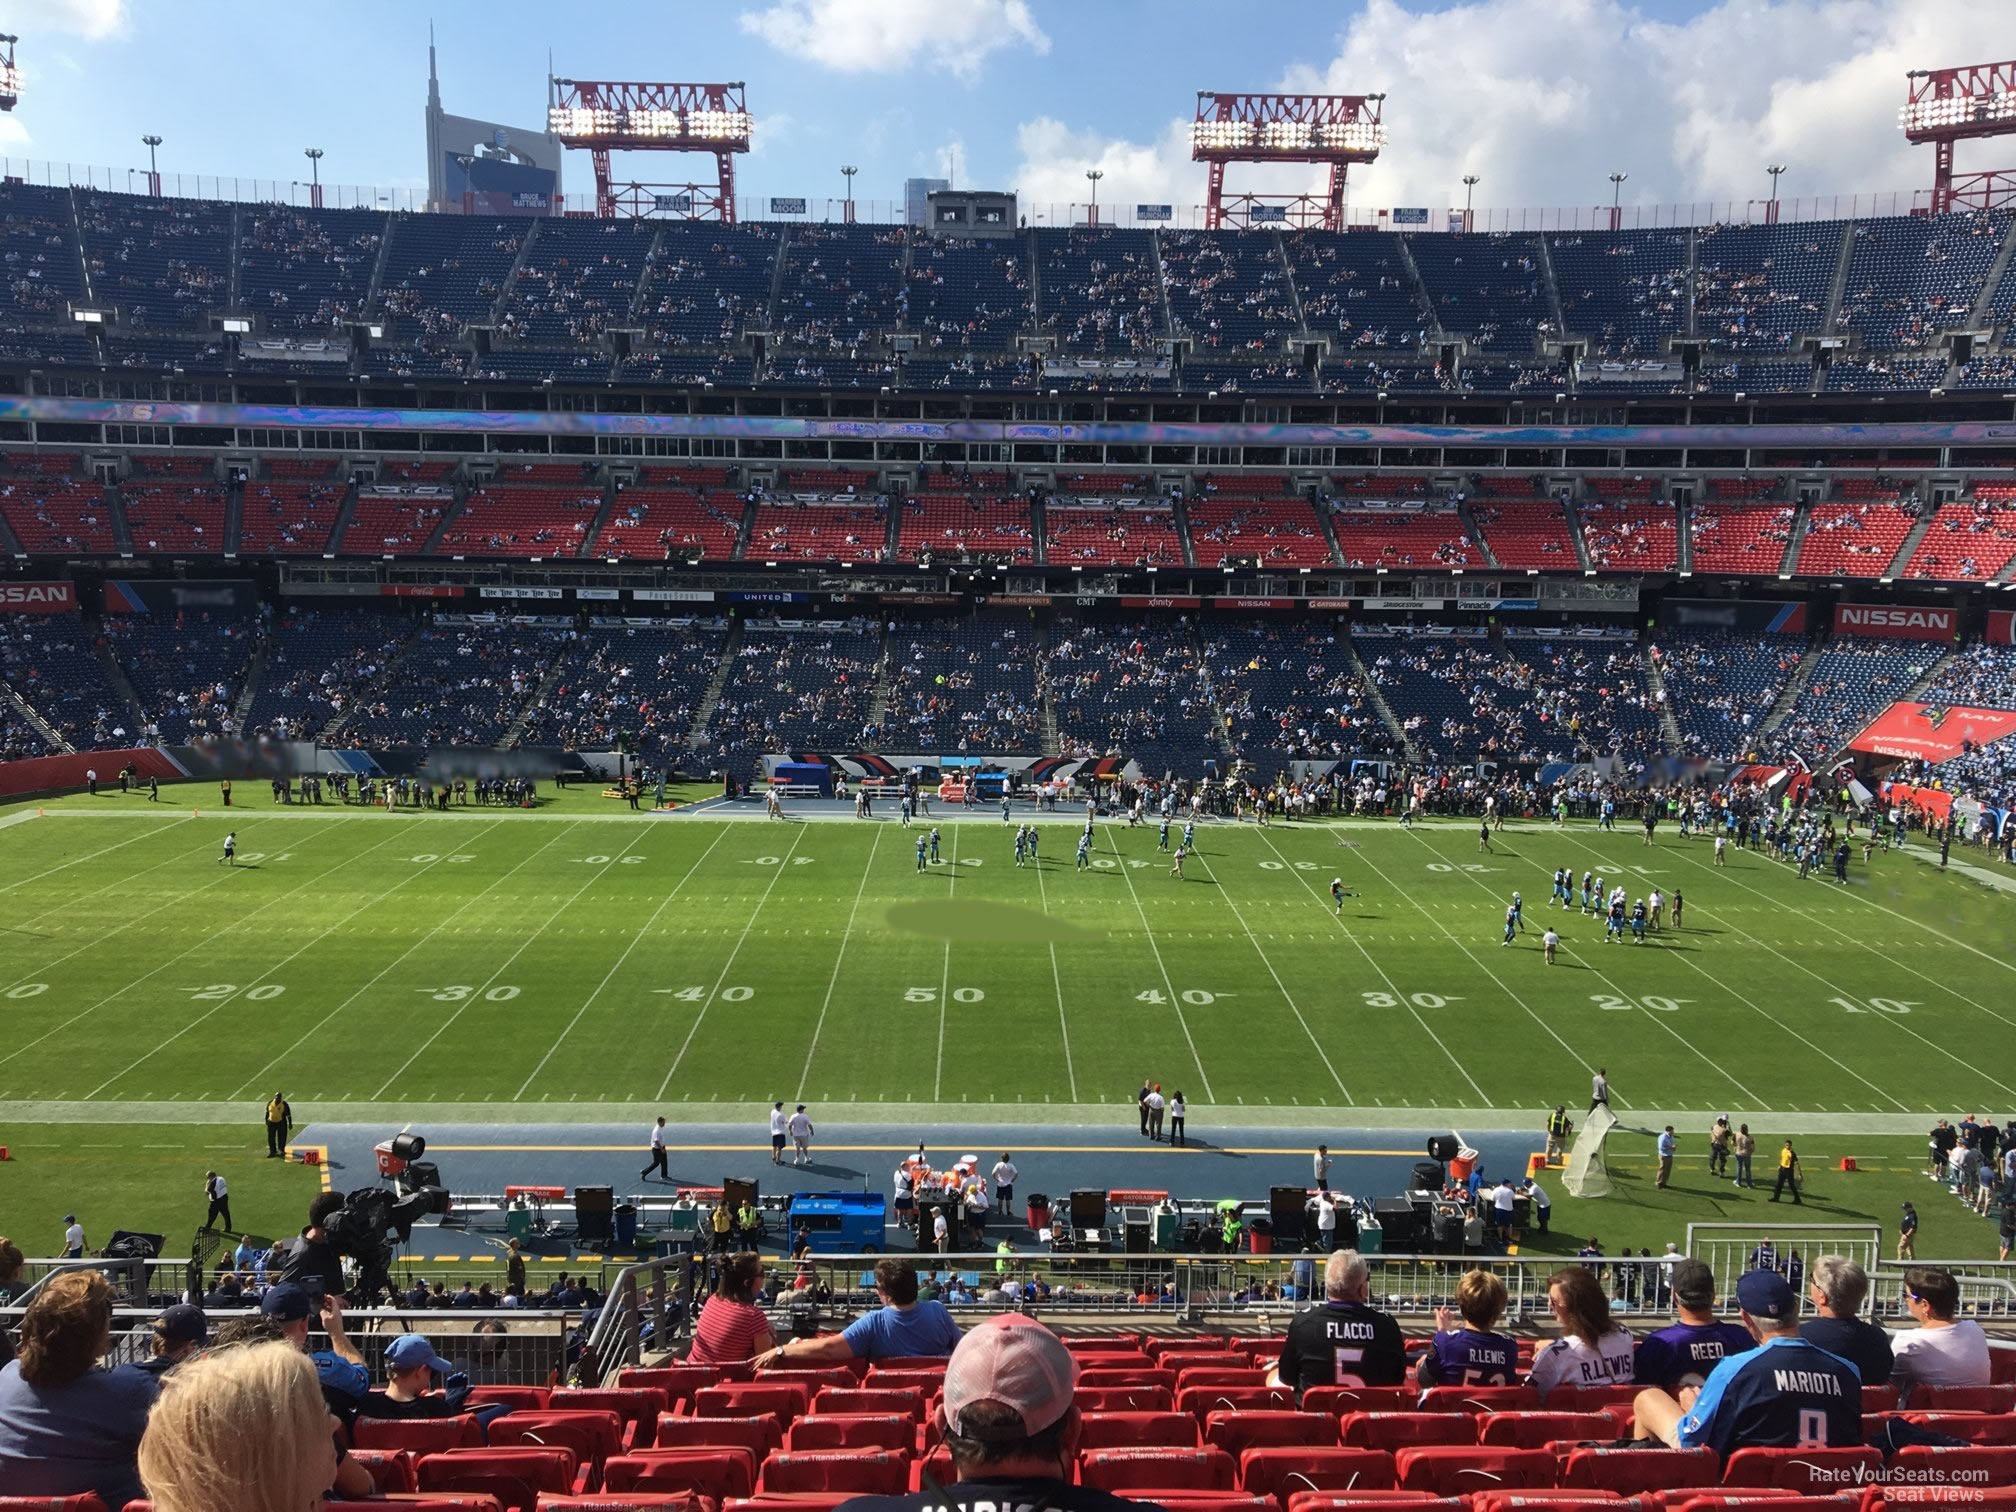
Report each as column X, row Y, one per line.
column 885, row 680
column 1553, row 288
column 1418, row 286
column 1574, row 518
column 516, row 731
column 1910, row 543
column 1795, row 686
column 115, row 679
column 1385, row 710
column 504, row 290
column 703, row 712
column 29, row 713
column 1294, row 294
column 1476, row 537
column 8, row 544
column 1977, row 318
column 1179, row 507
column 255, row 668
column 1802, row 520
column 1683, row 522
column 1831, row 317
column 1168, row 315
column 1219, row 736
column 122, row 533
column 234, row 518
column 1329, row 529
column 1039, row 530
column 1655, row 683
column 345, row 513
column 594, row 532
column 448, row 517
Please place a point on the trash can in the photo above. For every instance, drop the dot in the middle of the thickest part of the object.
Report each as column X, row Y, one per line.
column 1168, row 1228
column 518, row 1222
column 626, row 1225
column 1260, row 1236
column 1039, row 1211
column 1371, row 1239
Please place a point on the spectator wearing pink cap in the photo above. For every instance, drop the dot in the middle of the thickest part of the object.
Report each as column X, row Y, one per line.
column 1010, row 1418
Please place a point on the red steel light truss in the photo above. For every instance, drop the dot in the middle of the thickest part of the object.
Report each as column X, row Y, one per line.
column 1947, row 105
column 606, row 117
column 1338, row 130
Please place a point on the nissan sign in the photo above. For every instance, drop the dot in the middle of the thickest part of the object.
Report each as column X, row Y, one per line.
column 37, row 598
column 1895, row 621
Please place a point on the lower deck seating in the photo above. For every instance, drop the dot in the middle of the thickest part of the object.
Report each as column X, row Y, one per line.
column 1132, row 688
column 644, row 681
column 460, row 685
column 1720, row 685
column 52, row 662
column 793, row 690
column 186, row 671
column 1854, row 679
column 968, row 687
column 1292, row 692
column 317, row 662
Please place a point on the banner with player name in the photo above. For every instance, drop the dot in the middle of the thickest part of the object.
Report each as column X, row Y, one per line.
column 1932, row 731
column 1896, row 621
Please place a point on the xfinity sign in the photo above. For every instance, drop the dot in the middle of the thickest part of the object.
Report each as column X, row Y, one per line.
column 1895, row 621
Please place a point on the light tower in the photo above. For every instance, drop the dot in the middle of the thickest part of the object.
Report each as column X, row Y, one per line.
column 847, row 171
column 1771, row 207
column 10, row 81
column 1470, row 183
column 1946, row 105
column 1617, row 199
column 605, row 117
column 1337, row 130
column 150, row 142
column 314, row 156
column 1092, row 177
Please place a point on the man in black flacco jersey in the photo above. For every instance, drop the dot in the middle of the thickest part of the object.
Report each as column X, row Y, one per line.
column 1346, row 1341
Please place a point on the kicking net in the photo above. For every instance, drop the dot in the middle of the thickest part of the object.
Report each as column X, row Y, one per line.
column 1587, row 1175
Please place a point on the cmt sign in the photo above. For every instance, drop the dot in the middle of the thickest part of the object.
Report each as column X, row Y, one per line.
column 1895, row 622
column 37, row 598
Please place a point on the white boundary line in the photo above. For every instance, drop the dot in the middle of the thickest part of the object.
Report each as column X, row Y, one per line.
column 502, row 966
column 1057, row 978
column 868, row 867
column 267, row 972
column 87, row 856
column 1267, row 961
column 1392, row 986
column 190, row 950
column 1175, row 998
column 945, row 980
column 1601, row 975
column 317, row 1027
column 617, row 965
column 728, row 965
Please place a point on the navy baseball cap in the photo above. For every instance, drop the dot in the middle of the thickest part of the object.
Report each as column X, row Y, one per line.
column 1766, row 1294
column 411, row 1351
column 286, row 1303
column 183, row 1323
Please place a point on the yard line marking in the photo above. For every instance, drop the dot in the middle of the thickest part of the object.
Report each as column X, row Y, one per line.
column 1393, row 987
column 945, row 979
column 805, row 1076
column 124, row 881
column 1602, row 976
column 524, row 945
column 191, row 950
column 1175, row 1000
column 267, row 972
column 728, row 964
column 1226, row 898
column 610, row 975
column 1864, row 943
column 1839, row 990
column 1763, row 1013
column 87, row 856
column 1057, row 978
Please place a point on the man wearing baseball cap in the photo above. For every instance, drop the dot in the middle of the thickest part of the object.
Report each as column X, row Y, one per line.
column 1786, row 1393
column 410, row 1366
column 179, row 1334
column 1010, row 1420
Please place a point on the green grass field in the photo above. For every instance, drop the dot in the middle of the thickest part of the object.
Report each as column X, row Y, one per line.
column 585, row 955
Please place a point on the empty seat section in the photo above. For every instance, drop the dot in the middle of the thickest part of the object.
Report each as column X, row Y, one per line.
column 510, row 519
column 1131, row 686
column 1738, row 535
column 1854, row 679
column 961, row 526
column 1428, row 538
column 1856, row 536
column 166, row 263
column 1228, row 526
column 52, row 512
column 306, row 272
column 1758, row 287
column 175, row 517
column 1113, row 534
column 1969, row 540
column 455, row 684
column 443, row 273
column 1625, row 292
column 281, row 517
column 1527, row 533
column 1911, row 278
column 667, row 514
column 809, row 530
column 1488, row 287
column 52, row 662
column 394, row 519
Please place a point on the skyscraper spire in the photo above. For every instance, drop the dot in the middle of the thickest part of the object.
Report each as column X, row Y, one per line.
column 433, row 79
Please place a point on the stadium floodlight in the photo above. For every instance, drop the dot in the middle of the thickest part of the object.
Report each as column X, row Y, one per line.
column 1944, row 106
column 1333, row 130
column 604, row 117
column 10, row 78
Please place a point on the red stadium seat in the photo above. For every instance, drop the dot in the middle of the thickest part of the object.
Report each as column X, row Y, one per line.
column 1716, row 1501
column 860, row 1430
column 1116, row 1359
column 1125, row 1398
column 836, row 1400
column 417, row 1435
column 814, row 1378
column 1281, row 1469
column 937, row 1465
column 1561, row 1499
column 858, row 1473
column 1179, row 1359
column 1803, row 1470
column 632, row 1501
column 593, row 1436
column 678, row 1382
column 759, row 1435
column 1536, row 1430
column 1134, row 1375
column 783, row 1400
column 1879, row 1398
column 1480, row 1399
column 828, row 1501
column 1120, row 1430
column 928, row 1381
column 1631, row 1472
column 716, row 1470
column 2001, row 1365
column 1236, row 1432
column 1591, row 1398
column 514, row 1476
column 637, row 1406
column 1220, row 1375
column 1107, row 1343
column 1375, row 1501
column 530, row 1398
column 1157, row 1470
column 391, row 1469
column 1975, row 1427
column 1400, row 1430
column 1986, row 1499
column 1453, row 1469
column 87, row 1502
column 1976, row 1465
column 1343, row 1399
column 435, row 1501
column 1200, row 1401
column 1963, row 1399
column 1718, row 1496
column 1214, row 1501
column 898, row 1364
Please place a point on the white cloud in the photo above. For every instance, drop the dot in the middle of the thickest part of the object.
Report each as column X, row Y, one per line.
column 94, row 20
column 880, row 36
column 1546, row 98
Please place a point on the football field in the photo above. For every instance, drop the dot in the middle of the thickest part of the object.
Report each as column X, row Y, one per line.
column 536, row 964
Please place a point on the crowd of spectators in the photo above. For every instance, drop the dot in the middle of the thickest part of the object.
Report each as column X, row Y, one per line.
column 318, row 662
column 456, row 685
column 186, row 670
column 643, row 682
column 789, row 689
column 967, row 687
column 1721, row 684
column 1130, row 688
column 52, row 663
column 1292, row 691
column 1854, row 679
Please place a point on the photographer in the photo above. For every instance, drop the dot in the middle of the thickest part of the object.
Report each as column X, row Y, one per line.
column 312, row 1262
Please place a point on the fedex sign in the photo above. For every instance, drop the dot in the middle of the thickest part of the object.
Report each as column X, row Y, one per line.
column 37, row 598
column 1895, row 621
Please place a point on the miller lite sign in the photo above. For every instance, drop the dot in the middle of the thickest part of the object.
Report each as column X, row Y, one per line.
column 37, row 598
column 1895, row 621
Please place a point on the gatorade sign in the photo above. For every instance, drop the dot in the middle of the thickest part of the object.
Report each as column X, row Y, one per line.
column 37, row 598
column 1895, row 621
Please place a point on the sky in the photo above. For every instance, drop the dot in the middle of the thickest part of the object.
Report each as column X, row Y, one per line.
column 1542, row 99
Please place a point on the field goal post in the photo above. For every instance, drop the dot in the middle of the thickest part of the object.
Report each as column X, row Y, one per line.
column 1586, row 1174
column 1729, row 1248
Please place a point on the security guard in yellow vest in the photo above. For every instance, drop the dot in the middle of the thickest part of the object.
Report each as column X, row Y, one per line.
column 723, row 1225
column 1558, row 1128
column 279, row 1124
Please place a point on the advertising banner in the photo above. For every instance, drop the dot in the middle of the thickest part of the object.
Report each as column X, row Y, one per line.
column 1896, row 621
column 1158, row 601
column 2001, row 627
column 766, row 596
column 673, row 595
column 37, row 598
column 511, row 592
column 1262, row 213
column 787, row 207
column 1934, row 732
column 1764, row 616
column 1410, row 215
column 181, row 596
column 1254, row 603
column 424, row 590
column 1154, row 212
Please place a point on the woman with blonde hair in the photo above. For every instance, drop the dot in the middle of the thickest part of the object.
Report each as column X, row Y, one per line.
column 244, row 1428
column 1592, row 1350
column 68, row 1426
column 1475, row 1354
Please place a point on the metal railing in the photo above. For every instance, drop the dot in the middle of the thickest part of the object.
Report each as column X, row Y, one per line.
column 492, row 1348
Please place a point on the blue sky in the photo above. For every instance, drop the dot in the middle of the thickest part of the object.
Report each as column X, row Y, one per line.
column 1543, row 98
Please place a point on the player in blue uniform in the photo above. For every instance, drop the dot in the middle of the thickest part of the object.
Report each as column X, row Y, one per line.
column 1085, row 850
column 1679, row 906
column 1190, row 834
column 1511, row 924
column 1162, row 837
column 934, row 845
column 1614, row 929
column 1021, row 843
column 1337, row 894
column 1784, row 1394
column 1588, row 893
column 921, row 844
column 1519, row 912
column 1638, row 922
column 1564, row 883
column 1032, row 845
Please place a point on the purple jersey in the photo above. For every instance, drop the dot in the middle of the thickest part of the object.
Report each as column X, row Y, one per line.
column 1682, row 1354
column 1465, row 1357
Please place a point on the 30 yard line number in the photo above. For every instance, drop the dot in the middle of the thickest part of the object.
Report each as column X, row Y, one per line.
column 462, row 993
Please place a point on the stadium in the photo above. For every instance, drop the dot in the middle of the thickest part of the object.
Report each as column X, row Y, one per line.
column 1132, row 748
